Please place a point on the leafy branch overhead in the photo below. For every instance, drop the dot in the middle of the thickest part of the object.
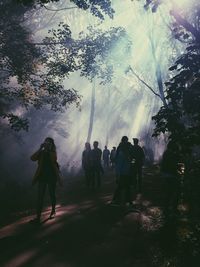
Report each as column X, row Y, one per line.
column 62, row 54
column 98, row 8
column 29, row 78
column 182, row 26
column 182, row 116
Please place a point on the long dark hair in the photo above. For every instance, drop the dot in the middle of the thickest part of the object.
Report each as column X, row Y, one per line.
column 53, row 147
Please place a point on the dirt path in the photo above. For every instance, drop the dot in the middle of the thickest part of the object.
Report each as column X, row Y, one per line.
column 89, row 232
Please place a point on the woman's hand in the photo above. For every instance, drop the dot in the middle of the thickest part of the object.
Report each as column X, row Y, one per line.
column 41, row 146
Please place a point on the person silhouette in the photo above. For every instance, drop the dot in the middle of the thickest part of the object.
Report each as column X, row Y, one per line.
column 106, row 154
column 122, row 193
column 97, row 169
column 112, row 157
column 87, row 163
column 169, row 170
column 138, row 158
column 47, row 174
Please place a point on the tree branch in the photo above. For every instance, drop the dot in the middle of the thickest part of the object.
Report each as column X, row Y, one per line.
column 5, row 70
column 60, row 9
column 183, row 22
column 148, row 86
column 53, row 43
column 47, row 24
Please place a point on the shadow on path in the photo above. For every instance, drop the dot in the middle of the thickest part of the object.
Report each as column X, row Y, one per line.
column 88, row 232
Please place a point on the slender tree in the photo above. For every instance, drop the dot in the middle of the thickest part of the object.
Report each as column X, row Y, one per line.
column 92, row 110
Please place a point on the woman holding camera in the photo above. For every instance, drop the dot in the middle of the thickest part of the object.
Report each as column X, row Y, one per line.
column 47, row 174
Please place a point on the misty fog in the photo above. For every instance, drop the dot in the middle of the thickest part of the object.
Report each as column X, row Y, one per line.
column 123, row 107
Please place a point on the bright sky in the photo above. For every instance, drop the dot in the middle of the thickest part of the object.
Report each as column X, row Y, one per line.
column 131, row 104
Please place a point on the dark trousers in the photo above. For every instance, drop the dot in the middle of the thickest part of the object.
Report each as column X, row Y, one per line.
column 123, row 191
column 96, row 177
column 112, row 164
column 88, row 176
column 41, row 192
column 106, row 163
column 136, row 171
column 97, row 171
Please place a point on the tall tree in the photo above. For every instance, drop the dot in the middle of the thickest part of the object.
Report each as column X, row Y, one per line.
column 24, row 82
column 181, row 118
column 92, row 110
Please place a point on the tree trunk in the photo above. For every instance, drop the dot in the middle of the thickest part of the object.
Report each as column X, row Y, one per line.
column 92, row 110
column 108, row 118
column 158, row 74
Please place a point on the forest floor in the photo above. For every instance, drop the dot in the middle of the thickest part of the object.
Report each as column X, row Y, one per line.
column 89, row 232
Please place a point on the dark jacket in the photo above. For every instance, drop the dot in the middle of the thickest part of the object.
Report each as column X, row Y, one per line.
column 96, row 158
column 138, row 155
column 123, row 158
column 47, row 169
column 87, row 159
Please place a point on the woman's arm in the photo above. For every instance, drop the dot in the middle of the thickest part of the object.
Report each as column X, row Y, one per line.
column 36, row 155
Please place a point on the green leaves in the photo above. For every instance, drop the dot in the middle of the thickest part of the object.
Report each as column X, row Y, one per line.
column 63, row 55
column 16, row 123
column 181, row 118
column 98, row 8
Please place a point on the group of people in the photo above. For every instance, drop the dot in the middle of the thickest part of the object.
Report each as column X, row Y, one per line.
column 127, row 160
column 92, row 163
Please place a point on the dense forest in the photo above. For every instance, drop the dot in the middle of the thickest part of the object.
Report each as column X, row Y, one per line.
column 86, row 70
column 91, row 70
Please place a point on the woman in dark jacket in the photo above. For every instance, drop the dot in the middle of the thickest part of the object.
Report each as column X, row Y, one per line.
column 47, row 174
